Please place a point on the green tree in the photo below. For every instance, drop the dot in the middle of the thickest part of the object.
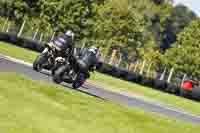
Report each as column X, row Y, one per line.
column 185, row 55
column 180, row 17
column 120, row 25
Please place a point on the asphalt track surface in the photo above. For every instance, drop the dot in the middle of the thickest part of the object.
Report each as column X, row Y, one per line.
column 9, row 66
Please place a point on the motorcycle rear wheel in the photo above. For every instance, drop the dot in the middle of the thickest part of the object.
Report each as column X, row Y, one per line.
column 78, row 82
column 58, row 74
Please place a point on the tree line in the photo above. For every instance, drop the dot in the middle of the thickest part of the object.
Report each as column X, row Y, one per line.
column 153, row 30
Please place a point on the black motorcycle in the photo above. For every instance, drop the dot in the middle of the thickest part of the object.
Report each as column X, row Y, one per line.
column 70, row 72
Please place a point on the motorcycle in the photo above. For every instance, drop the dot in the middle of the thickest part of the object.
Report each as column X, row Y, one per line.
column 69, row 72
column 50, row 58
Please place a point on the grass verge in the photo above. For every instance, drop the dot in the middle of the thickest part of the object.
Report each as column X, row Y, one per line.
column 109, row 82
column 29, row 107
column 16, row 52
column 151, row 94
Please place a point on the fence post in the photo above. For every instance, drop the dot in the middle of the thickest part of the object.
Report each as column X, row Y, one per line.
column 142, row 68
column 163, row 74
column 8, row 27
column 21, row 29
column 35, row 34
column 53, row 35
column 120, row 60
column 131, row 66
column 136, row 65
column 114, row 53
column 170, row 75
column 4, row 25
column 184, row 77
column 41, row 37
column 149, row 69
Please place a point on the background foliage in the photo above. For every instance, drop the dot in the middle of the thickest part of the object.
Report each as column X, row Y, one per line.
column 153, row 30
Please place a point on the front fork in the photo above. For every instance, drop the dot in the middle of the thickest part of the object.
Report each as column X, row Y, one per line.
column 45, row 51
column 50, row 59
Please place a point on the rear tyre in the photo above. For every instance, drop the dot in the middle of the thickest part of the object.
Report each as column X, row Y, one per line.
column 80, row 80
column 58, row 74
column 76, row 84
column 38, row 63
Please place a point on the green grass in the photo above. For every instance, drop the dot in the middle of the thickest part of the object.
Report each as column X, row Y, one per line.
column 30, row 107
column 19, row 53
column 112, row 83
column 165, row 98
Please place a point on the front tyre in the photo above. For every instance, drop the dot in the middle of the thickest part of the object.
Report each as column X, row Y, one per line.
column 38, row 63
column 58, row 74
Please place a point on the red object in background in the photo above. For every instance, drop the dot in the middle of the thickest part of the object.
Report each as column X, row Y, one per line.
column 187, row 85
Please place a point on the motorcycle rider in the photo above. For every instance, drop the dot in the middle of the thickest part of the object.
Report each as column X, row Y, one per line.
column 64, row 43
column 87, row 59
column 77, row 68
column 55, row 51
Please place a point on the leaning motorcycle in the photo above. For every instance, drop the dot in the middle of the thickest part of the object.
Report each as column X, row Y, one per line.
column 70, row 73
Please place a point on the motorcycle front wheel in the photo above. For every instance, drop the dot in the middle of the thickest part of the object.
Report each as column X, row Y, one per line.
column 38, row 63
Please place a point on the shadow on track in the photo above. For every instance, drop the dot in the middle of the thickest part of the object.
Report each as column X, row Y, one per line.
column 82, row 89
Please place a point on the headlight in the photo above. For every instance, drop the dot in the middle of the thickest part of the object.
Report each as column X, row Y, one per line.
column 60, row 59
